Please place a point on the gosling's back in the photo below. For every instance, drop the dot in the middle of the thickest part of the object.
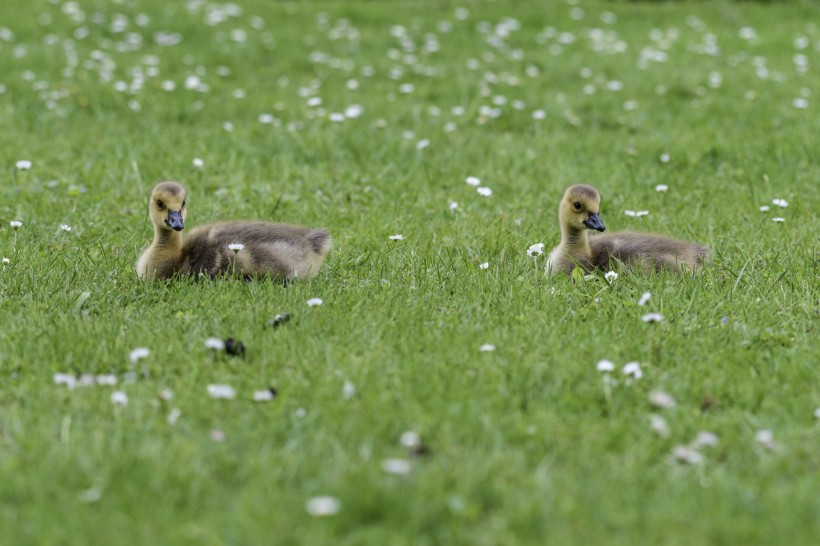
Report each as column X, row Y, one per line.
column 278, row 250
column 651, row 251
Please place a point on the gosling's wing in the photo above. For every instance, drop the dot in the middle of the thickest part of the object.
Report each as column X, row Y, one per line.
column 281, row 250
column 260, row 233
column 204, row 254
column 657, row 250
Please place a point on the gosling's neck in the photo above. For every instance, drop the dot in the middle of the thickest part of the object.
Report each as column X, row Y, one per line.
column 167, row 239
column 575, row 241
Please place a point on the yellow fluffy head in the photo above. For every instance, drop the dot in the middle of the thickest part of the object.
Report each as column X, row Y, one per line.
column 167, row 206
column 579, row 208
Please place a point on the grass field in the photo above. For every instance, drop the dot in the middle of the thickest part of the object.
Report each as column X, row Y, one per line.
column 366, row 118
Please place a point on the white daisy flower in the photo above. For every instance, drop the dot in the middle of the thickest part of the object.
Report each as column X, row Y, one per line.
column 65, row 227
column 473, row 181
column 336, row 117
column 396, row 466
column 165, row 395
column 665, row 158
column 686, row 455
column 487, row 348
column 173, row 416
column 817, row 413
column 633, row 369
column 705, row 439
column 640, row 213
column 225, row 392
column 658, row 425
column 348, row 390
column 15, row 224
column 410, row 439
column 661, row 399
column 6, row 261
column 106, row 379
column 192, row 82
column 611, row 276
column 396, row 237
column 323, row 506
column 539, row 115
column 263, row 395
column 23, row 165
column 661, row 187
column 65, row 379
column 652, row 317
column 747, row 33
column 765, row 438
column 313, row 302
column 138, row 354
column 119, row 398
column 764, row 208
column 354, row 111
column 800, row 103
column 197, row 163
column 215, row 343
column 422, row 144
column 605, row 366
column 780, row 203
column 644, row 298
column 630, row 213
column 452, row 205
column 778, row 219
column 484, row 192
column 485, row 265
column 236, row 247
column 535, row 250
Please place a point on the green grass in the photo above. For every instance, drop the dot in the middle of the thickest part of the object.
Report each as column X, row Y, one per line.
column 525, row 444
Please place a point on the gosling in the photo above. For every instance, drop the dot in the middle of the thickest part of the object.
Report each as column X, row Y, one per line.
column 578, row 213
column 247, row 249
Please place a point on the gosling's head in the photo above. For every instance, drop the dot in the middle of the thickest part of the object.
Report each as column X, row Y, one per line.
column 579, row 208
column 167, row 206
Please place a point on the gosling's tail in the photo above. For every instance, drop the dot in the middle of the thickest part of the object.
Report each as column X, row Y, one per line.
column 320, row 241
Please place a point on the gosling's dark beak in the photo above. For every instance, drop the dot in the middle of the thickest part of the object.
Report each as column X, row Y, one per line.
column 594, row 222
column 174, row 220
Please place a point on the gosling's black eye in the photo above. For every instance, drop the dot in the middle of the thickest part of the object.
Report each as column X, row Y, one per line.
column 160, row 204
column 577, row 206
